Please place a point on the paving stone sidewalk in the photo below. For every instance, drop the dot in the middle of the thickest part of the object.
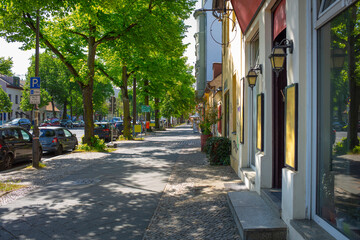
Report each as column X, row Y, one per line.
column 194, row 205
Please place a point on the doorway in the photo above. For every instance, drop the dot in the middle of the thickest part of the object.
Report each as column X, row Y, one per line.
column 278, row 88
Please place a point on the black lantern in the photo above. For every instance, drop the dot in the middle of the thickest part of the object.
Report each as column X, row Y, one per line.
column 278, row 55
column 337, row 58
column 252, row 75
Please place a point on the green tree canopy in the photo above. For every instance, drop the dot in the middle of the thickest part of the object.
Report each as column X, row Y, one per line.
column 5, row 66
column 5, row 103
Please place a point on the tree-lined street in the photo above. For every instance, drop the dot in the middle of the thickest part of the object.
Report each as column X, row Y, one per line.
column 115, row 195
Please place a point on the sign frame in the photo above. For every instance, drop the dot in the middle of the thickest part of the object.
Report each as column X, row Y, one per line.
column 35, row 83
column 291, row 127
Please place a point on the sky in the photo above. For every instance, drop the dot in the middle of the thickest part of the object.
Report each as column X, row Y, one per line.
column 21, row 58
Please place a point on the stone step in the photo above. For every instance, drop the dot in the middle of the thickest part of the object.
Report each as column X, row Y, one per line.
column 273, row 199
column 254, row 218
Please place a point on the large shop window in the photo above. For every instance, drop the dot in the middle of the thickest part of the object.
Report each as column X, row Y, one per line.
column 338, row 161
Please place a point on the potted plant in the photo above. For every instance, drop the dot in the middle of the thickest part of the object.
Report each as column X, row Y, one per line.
column 205, row 125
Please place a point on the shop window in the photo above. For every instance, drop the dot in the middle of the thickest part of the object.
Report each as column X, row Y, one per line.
column 338, row 159
column 227, row 124
column 234, row 104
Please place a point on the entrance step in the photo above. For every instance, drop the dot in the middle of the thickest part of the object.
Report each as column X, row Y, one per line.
column 254, row 218
column 273, row 199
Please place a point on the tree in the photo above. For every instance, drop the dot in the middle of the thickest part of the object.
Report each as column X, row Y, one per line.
column 346, row 35
column 73, row 30
column 5, row 66
column 5, row 103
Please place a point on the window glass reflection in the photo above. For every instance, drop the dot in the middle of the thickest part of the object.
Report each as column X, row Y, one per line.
column 338, row 166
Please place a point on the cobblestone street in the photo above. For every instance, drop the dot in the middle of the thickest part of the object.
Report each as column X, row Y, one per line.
column 194, row 205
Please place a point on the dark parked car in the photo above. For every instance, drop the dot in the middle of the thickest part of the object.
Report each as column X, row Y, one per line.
column 15, row 146
column 66, row 123
column 103, row 130
column 120, row 127
column 22, row 122
column 57, row 139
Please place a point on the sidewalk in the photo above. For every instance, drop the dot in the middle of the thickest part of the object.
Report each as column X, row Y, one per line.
column 161, row 188
column 194, row 204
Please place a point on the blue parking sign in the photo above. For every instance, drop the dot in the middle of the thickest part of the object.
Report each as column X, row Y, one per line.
column 34, row 82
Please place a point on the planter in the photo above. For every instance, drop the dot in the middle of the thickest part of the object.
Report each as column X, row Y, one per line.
column 203, row 140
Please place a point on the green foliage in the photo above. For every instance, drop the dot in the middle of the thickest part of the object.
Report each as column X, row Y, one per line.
column 356, row 149
column 342, row 147
column 9, row 186
column 5, row 66
column 25, row 105
column 96, row 145
column 5, row 103
column 218, row 150
column 211, row 118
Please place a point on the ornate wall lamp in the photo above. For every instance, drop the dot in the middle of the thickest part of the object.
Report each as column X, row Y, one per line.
column 252, row 75
column 278, row 55
column 337, row 58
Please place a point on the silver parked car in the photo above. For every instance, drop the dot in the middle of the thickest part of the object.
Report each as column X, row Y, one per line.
column 57, row 139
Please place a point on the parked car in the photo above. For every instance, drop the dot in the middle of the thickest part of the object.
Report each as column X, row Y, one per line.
column 66, row 123
column 116, row 119
column 119, row 126
column 80, row 123
column 15, row 146
column 104, row 129
column 57, row 139
column 51, row 122
column 22, row 122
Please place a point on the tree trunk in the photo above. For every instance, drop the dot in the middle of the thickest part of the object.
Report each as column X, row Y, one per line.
column 53, row 107
column 126, row 104
column 88, row 89
column 134, row 102
column 146, row 85
column 157, row 117
column 64, row 116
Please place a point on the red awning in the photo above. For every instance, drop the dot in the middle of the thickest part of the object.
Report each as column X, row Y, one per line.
column 245, row 11
column 279, row 18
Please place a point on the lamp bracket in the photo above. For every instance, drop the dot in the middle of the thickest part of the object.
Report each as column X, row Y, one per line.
column 257, row 67
column 286, row 43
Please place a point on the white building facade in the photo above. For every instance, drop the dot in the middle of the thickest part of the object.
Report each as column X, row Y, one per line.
column 11, row 85
column 295, row 133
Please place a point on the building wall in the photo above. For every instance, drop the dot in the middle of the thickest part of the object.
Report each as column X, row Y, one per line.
column 207, row 50
column 299, row 185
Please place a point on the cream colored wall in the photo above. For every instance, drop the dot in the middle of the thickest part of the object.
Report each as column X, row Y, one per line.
column 232, row 69
column 294, row 183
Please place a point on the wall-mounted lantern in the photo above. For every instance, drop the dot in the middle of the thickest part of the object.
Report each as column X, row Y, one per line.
column 278, row 55
column 252, row 75
column 337, row 58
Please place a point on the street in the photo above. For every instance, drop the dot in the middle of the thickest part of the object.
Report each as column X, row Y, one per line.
column 96, row 195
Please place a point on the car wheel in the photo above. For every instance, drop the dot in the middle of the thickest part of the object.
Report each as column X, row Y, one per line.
column 6, row 163
column 59, row 150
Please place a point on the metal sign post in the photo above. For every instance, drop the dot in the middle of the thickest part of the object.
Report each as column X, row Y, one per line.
column 35, row 84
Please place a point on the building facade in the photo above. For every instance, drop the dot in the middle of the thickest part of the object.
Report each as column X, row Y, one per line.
column 11, row 85
column 295, row 133
column 207, row 46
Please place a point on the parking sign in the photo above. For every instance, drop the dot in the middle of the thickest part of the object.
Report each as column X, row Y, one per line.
column 35, row 82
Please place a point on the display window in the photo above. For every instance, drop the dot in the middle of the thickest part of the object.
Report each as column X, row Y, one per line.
column 338, row 120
